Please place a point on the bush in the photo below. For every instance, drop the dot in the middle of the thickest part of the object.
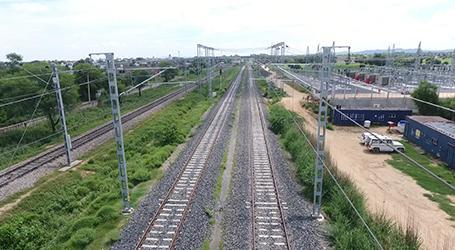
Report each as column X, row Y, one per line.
column 107, row 213
column 82, row 191
column 141, row 175
column 82, row 238
column 84, row 222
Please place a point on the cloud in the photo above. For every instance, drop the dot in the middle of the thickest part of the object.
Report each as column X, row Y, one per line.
column 158, row 28
column 30, row 7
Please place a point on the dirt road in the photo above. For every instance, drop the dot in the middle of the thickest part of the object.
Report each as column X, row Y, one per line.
column 386, row 188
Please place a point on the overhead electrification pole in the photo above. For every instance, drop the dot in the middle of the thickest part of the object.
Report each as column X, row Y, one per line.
column 322, row 121
column 325, row 76
column 62, row 113
column 118, row 131
column 88, row 88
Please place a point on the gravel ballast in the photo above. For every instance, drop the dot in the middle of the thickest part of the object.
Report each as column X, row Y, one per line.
column 29, row 179
column 196, row 226
column 304, row 231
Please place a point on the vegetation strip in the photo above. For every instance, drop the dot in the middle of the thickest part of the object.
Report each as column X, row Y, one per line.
column 79, row 209
column 345, row 228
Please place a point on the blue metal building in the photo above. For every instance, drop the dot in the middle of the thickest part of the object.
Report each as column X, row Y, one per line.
column 378, row 116
column 434, row 134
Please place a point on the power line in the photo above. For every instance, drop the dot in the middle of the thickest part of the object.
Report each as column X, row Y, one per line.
column 26, row 128
column 366, row 130
column 21, row 77
column 51, row 92
column 334, row 179
column 83, row 123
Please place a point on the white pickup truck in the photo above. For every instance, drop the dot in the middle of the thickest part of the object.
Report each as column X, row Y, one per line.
column 384, row 145
column 364, row 138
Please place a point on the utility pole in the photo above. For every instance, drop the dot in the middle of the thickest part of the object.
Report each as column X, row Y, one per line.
column 199, row 73
column 322, row 121
column 118, row 131
column 307, row 54
column 62, row 113
column 88, row 88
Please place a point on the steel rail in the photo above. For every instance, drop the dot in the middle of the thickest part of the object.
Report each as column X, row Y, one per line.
column 23, row 168
column 272, row 165
column 223, row 108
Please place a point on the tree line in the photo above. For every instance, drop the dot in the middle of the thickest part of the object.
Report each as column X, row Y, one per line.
column 17, row 82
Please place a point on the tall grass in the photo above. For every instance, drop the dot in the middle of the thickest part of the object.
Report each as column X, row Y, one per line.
column 346, row 230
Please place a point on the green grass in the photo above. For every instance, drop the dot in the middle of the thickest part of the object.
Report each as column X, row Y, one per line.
column 206, row 244
column 220, row 175
column 439, row 191
column 46, row 219
column 345, row 230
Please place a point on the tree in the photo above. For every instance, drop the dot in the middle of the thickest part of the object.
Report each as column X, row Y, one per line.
column 14, row 60
column 83, row 74
column 448, row 103
column 426, row 92
column 48, row 104
column 169, row 74
column 140, row 76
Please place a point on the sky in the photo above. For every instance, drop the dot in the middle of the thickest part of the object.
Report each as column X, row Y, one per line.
column 71, row 29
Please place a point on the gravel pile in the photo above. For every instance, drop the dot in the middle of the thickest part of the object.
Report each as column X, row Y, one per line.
column 196, row 226
column 29, row 179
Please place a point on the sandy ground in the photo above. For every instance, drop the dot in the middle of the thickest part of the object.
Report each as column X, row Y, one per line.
column 386, row 188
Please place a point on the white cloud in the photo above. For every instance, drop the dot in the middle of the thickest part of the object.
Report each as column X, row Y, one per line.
column 30, row 7
column 68, row 29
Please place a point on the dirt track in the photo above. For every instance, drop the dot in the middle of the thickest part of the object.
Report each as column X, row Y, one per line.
column 386, row 188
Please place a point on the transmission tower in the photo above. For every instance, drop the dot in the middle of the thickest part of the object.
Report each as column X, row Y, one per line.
column 388, row 62
column 307, row 54
column 417, row 63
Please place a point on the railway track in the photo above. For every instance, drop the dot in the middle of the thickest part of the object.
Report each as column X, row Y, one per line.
column 10, row 174
column 165, row 226
column 267, row 213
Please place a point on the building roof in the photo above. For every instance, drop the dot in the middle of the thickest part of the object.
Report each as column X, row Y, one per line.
column 373, row 108
column 437, row 123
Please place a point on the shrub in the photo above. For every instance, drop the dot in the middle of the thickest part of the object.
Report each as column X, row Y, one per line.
column 82, row 191
column 82, row 238
column 84, row 222
column 140, row 175
column 107, row 213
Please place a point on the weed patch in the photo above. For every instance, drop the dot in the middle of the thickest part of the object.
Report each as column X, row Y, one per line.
column 439, row 191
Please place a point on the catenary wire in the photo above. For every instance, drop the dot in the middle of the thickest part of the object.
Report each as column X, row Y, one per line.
column 366, row 130
column 334, row 179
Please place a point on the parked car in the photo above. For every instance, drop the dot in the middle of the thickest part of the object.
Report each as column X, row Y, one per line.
column 364, row 137
column 384, row 145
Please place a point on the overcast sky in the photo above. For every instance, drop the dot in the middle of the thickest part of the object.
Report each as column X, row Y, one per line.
column 70, row 29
